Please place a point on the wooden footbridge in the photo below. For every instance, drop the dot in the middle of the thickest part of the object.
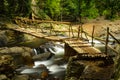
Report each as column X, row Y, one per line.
column 36, row 33
column 73, row 46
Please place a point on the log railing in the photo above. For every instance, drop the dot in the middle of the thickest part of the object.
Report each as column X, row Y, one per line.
column 71, row 31
column 101, row 40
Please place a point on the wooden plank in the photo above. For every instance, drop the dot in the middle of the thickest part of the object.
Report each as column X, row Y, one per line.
column 56, row 30
column 91, row 50
column 74, row 41
column 80, row 45
column 82, row 48
column 79, row 50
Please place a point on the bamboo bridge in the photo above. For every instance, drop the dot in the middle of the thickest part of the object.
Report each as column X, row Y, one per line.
column 79, row 47
column 73, row 46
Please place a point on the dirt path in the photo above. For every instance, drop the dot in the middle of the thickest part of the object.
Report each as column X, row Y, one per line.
column 101, row 26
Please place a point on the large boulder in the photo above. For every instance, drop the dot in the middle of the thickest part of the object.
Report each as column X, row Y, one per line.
column 21, row 77
column 7, row 66
column 21, row 55
column 43, row 56
column 89, row 69
column 3, row 38
column 3, row 77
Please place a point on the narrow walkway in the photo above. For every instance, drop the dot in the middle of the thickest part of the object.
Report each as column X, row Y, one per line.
column 72, row 46
column 82, row 48
column 35, row 33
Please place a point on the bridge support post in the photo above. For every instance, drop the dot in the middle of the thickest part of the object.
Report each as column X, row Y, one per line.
column 106, row 45
column 93, row 35
column 68, row 52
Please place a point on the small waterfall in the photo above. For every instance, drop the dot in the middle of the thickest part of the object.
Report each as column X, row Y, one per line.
column 35, row 51
column 45, row 62
column 57, row 71
column 57, row 49
column 50, row 55
column 39, row 50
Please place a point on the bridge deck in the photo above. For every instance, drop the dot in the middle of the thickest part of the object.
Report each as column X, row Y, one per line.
column 77, row 46
column 36, row 33
column 72, row 46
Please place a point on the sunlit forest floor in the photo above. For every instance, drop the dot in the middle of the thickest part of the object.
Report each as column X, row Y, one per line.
column 101, row 27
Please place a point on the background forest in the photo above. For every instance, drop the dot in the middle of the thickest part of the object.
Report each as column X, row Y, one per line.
column 70, row 10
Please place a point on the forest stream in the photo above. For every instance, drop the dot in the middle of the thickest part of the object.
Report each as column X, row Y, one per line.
column 59, row 39
column 25, row 57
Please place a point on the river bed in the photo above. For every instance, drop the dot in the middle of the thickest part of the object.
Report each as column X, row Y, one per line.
column 56, row 65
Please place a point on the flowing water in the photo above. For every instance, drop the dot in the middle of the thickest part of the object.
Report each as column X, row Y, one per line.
column 56, row 65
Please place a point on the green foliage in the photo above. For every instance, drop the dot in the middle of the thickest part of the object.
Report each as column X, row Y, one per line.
column 89, row 9
column 38, row 9
column 15, row 7
column 62, row 9
column 53, row 8
column 108, row 8
column 70, row 8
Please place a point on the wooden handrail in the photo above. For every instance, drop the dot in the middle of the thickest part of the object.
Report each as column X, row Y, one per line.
column 103, row 41
column 107, row 40
column 45, row 21
column 80, row 30
column 93, row 35
column 114, row 38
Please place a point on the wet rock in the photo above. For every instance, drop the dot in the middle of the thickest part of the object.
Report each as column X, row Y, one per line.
column 117, row 63
column 21, row 77
column 3, row 38
column 2, row 25
column 21, row 55
column 73, row 78
column 117, row 47
column 14, row 50
column 89, row 69
column 28, row 60
column 10, row 38
column 74, row 69
column 3, row 77
column 6, row 60
column 43, row 56
column 7, row 66
column 40, row 72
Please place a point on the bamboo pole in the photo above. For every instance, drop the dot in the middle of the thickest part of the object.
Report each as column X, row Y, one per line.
column 40, row 21
column 103, row 42
column 69, row 30
column 86, row 36
column 51, row 26
column 79, row 32
column 114, row 38
column 106, row 45
column 93, row 35
column 96, row 37
column 72, row 31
